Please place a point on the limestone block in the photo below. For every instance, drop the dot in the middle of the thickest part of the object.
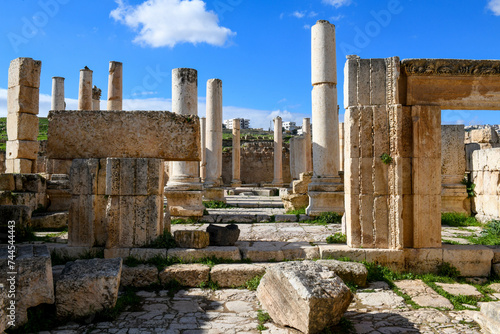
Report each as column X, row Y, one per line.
column 303, row 295
column 351, row 126
column 485, row 135
column 146, row 254
column 4, row 313
column 50, row 220
column 489, row 317
column 391, row 258
column 185, row 203
column 22, row 149
column 113, row 253
column 132, row 134
column 495, row 268
column 31, row 200
column 351, row 81
column 24, row 72
column 364, row 88
column 141, row 276
column 471, row 261
column 261, row 251
column 81, row 221
column 235, row 275
column 353, row 225
column 300, row 186
column 19, row 166
column 223, row 235
column 133, row 221
column 34, row 282
column 295, row 201
column 426, row 221
column 324, row 58
column 7, row 182
column 366, row 132
column 300, row 251
column 378, row 78
column 427, row 132
column 22, row 126
column 87, row 286
column 133, row 177
column 66, row 251
column 425, row 180
column 422, row 294
column 452, row 150
column 457, row 289
column 20, row 214
column 342, row 251
column 22, row 99
column 350, row 272
column 59, row 166
column 192, row 239
column 83, row 176
column 190, row 275
column 190, row 255
column 59, row 200
column 30, row 183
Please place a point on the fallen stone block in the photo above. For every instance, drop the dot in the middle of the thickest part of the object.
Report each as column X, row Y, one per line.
column 350, row 272
column 87, row 286
column 300, row 251
column 50, row 220
column 223, row 235
column 192, row 239
column 34, row 282
column 489, row 317
column 140, row 276
column 191, row 255
column 234, row 275
column 303, row 295
column 190, row 275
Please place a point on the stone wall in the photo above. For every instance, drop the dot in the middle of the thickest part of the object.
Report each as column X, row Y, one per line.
column 257, row 163
column 2, row 162
column 485, row 174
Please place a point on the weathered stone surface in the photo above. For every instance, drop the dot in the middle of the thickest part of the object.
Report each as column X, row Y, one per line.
column 261, row 251
column 470, row 260
column 234, row 275
column 50, row 220
column 140, row 276
column 4, row 313
column 20, row 214
column 295, row 201
column 192, row 239
column 422, row 294
column 7, row 182
column 34, row 282
column 134, row 177
column 300, row 186
column 87, row 286
column 495, row 268
column 350, row 272
column 188, row 255
column 223, row 235
column 24, row 72
column 423, row 260
column 190, row 275
column 131, row 134
column 489, row 317
column 19, row 166
column 303, row 295
column 457, row 289
column 146, row 254
column 22, row 126
column 22, row 149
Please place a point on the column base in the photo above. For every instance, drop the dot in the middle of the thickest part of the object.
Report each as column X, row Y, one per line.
column 183, row 203
column 214, row 194
column 235, row 183
column 325, row 201
column 454, row 198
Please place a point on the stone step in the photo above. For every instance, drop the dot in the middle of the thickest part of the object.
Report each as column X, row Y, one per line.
column 50, row 220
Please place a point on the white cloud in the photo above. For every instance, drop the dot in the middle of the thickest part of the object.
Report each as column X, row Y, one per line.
column 298, row 14
column 162, row 23
column 312, row 14
column 494, row 6
column 307, row 26
column 337, row 3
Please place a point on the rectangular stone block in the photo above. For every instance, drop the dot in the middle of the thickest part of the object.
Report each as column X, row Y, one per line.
column 351, row 126
column 470, row 260
column 22, row 99
column 22, row 149
column 426, row 221
column 131, row 134
column 34, row 183
column 351, row 176
column 353, row 227
column 426, row 176
column 426, row 131
column 351, row 82
column 366, row 219
column 342, row 251
column 129, row 177
column 366, row 132
column 423, row 260
column 81, row 221
column 394, row 259
column 381, row 221
column 378, row 77
column 19, row 166
column 59, row 166
column 452, row 150
column 24, row 72
column 381, row 131
column 408, row 220
column 364, row 81
column 7, row 182
column 22, row 126
column 380, row 177
column 84, row 176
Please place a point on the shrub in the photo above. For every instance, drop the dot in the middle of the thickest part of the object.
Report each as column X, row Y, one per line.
column 337, row 238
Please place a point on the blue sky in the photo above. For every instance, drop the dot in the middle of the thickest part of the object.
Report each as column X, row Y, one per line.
column 260, row 49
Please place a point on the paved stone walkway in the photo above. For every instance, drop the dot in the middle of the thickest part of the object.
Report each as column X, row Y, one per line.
column 197, row 311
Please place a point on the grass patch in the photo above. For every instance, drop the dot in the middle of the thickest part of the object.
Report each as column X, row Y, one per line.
column 326, row 218
column 301, row 211
column 455, row 219
column 166, row 240
column 337, row 238
column 263, row 317
column 451, row 242
column 489, row 236
column 179, row 221
column 210, row 285
column 253, row 283
column 217, row 205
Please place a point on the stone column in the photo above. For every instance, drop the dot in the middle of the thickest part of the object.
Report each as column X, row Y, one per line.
column 115, row 90
column 214, row 133
column 326, row 187
column 341, row 146
column 297, row 157
column 306, row 132
column 236, row 182
column 58, row 94
column 96, row 98
column 85, row 89
column 184, row 188
column 22, row 119
column 203, row 162
column 278, row 152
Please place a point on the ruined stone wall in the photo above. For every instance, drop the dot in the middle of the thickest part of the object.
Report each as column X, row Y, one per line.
column 485, row 174
column 257, row 163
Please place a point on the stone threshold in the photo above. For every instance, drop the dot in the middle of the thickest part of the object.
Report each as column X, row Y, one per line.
column 470, row 260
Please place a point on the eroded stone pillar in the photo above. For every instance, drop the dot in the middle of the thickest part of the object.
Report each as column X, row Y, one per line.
column 278, row 152
column 96, row 98
column 85, row 89
column 306, row 131
column 115, row 86
column 22, row 119
column 203, row 162
column 184, row 188
column 214, row 133
column 298, row 158
column 236, row 181
column 58, row 94
column 326, row 187
column 341, row 146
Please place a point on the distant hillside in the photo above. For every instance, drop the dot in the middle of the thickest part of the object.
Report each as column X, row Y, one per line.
column 43, row 127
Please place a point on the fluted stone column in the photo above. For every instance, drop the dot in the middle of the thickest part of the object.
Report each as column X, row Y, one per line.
column 278, row 153
column 85, row 89
column 326, row 187
column 306, row 132
column 115, row 86
column 22, row 115
column 236, row 181
column 203, row 162
column 58, row 94
column 184, row 188
column 96, row 98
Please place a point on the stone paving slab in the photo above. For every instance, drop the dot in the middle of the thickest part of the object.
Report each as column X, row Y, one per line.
column 457, row 289
column 422, row 294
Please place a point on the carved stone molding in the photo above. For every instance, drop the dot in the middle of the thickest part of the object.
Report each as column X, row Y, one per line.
column 451, row 67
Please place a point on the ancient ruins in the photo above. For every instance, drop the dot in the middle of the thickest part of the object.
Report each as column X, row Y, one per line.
column 388, row 171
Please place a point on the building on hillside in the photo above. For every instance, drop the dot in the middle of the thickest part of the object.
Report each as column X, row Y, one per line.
column 244, row 123
column 289, row 126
